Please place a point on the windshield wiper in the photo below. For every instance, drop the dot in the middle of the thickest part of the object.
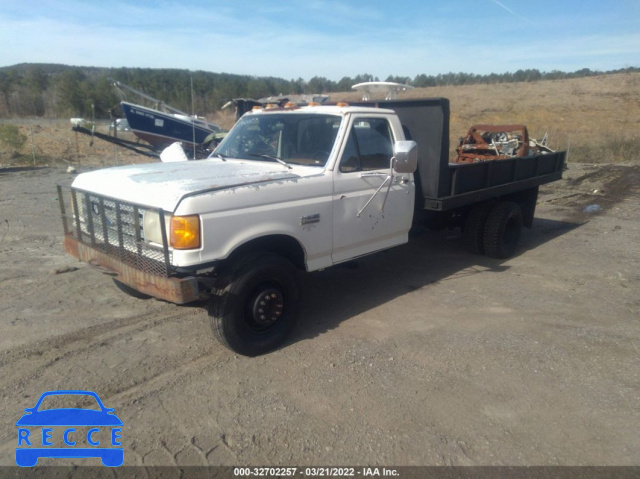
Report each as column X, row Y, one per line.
column 219, row 155
column 272, row 158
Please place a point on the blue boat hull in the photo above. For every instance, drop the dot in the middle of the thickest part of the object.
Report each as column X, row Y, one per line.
column 161, row 129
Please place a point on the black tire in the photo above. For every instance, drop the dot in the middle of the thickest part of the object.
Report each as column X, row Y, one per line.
column 130, row 291
column 503, row 229
column 474, row 226
column 256, row 304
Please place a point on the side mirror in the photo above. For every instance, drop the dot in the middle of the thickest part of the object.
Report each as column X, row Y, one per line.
column 406, row 155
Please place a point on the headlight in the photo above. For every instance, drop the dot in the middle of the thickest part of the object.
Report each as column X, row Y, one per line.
column 185, row 232
column 151, row 226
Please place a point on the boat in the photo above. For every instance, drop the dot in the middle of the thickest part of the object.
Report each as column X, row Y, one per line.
column 161, row 129
column 163, row 125
column 391, row 89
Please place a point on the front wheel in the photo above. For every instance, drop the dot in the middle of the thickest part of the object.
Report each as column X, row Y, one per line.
column 256, row 305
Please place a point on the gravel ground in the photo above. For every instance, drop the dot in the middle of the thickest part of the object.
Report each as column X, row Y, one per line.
column 420, row 355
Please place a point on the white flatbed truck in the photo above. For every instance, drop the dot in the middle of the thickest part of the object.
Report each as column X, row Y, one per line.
column 293, row 188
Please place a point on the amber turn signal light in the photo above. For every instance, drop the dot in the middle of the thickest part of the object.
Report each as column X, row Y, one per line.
column 185, row 232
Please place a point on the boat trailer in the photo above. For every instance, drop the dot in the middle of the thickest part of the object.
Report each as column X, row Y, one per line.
column 146, row 150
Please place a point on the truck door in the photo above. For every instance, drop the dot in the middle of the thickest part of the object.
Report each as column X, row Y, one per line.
column 369, row 214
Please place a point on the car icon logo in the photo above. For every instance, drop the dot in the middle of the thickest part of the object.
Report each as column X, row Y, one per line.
column 82, row 432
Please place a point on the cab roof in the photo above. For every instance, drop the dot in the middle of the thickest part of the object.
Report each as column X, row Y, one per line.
column 321, row 109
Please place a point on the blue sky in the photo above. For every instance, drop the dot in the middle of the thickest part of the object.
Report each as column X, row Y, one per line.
column 325, row 37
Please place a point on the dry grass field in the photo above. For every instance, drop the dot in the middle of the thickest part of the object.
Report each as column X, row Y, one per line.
column 598, row 116
column 54, row 143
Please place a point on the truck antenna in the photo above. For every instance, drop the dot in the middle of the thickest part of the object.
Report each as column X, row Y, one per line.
column 193, row 119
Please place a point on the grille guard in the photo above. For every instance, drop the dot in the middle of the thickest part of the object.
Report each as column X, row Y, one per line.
column 114, row 227
column 109, row 234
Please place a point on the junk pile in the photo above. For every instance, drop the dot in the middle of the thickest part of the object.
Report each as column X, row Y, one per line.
column 498, row 142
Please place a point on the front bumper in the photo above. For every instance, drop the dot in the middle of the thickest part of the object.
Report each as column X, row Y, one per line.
column 174, row 290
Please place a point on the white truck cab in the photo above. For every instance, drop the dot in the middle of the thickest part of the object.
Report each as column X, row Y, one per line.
column 293, row 187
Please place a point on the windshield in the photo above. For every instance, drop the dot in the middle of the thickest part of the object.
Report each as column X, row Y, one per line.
column 304, row 139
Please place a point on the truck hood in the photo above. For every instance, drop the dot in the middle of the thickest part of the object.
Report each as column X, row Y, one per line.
column 164, row 184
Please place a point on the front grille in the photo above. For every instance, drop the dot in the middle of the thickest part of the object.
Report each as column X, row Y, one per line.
column 115, row 228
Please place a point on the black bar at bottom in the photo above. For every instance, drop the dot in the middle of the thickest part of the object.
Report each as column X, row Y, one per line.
column 397, row 472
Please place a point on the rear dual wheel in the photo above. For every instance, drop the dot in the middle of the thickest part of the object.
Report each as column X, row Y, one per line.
column 503, row 230
column 493, row 229
column 474, row 226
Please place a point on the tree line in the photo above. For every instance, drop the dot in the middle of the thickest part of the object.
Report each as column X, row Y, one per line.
column 55, row 91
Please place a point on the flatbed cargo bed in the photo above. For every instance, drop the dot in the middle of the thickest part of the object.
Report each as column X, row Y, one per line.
column 443, row 185
column 475, row 182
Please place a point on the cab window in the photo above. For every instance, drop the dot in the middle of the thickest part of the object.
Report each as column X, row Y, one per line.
column 369, row 146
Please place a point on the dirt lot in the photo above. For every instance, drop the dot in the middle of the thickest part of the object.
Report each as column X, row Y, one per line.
column 421, row 355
